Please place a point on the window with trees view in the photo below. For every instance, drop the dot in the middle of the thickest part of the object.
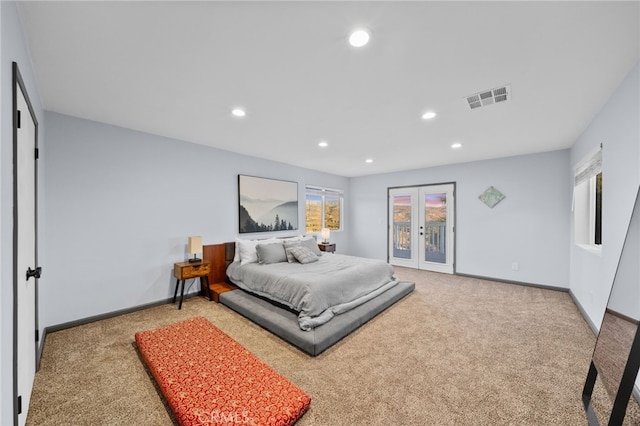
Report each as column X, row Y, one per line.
column 323, row 208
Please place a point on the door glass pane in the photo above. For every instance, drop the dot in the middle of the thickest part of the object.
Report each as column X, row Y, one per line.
column 402, row 226
column 435, row 217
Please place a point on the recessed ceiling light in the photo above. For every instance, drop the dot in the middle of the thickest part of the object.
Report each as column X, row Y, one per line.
column 323, row 144
column 238, row 112
column 456, row 145
column 359, row 38
column 428, row 115
column 368, row 160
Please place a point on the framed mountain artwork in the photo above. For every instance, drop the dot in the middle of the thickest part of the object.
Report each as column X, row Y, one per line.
column 267, row 205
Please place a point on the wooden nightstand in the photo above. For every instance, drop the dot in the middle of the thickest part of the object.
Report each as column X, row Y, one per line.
column 328, row 247
column 186, row 270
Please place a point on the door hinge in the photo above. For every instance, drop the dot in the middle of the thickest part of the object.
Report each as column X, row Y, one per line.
column 19, row 404
column 36, row 273
column 37, row 151
column 19, row 121
column 37, row 335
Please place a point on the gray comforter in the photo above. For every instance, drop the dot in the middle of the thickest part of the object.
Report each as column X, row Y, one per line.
column 317, row 291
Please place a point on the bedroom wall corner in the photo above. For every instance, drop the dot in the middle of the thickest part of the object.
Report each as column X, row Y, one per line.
column 617, row 128
column 121, row 204
column 530, row 226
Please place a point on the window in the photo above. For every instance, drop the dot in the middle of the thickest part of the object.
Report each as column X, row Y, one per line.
column 587, row 195
column 597, row 209
column 323, row 208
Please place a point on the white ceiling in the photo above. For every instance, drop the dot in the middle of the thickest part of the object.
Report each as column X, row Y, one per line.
column 178, row 68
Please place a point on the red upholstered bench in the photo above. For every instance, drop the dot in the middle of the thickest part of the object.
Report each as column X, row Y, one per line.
column 208, row 378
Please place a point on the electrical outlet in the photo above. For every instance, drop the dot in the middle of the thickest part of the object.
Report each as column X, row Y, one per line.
column 515, row 266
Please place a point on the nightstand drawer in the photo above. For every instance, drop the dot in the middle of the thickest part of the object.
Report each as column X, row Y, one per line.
column 328, row 247
column 184, row 272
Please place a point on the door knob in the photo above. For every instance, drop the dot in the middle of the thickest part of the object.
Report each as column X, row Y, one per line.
column 34, row 272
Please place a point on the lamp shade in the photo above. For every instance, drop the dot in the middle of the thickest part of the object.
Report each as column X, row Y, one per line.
column 195, row 245
column 325, row 234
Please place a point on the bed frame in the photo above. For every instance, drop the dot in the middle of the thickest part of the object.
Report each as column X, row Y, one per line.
column 282, row 321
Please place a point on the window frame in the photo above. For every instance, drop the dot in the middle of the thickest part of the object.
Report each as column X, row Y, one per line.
column 323, row 193
column 585, row 202
column 594, row 223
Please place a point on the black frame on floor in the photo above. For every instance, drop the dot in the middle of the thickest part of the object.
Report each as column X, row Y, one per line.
column 630, row 372
column 625, row 388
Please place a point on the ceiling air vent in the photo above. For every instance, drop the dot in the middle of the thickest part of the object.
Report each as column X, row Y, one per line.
column 488, row 97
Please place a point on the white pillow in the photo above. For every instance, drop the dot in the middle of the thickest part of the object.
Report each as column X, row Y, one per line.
column 236, row 256
column 246, row 249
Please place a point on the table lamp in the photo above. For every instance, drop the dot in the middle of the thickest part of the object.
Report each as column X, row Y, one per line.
column 195, row 247
column 325, row 233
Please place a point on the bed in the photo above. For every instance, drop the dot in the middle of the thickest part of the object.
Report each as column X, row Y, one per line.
column 310, row 305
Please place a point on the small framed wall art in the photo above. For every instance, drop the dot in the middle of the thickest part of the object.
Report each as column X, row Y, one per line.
column 491, row 197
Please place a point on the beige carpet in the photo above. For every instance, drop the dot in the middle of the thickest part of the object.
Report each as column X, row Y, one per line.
column 457, row 351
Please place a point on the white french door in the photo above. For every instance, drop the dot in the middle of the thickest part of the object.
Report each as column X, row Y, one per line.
column 25, row 249
column 421, row 227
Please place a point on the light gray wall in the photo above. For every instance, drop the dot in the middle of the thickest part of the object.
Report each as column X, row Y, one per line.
column 617, row 127
column 12, row 48
column 121, row 204
column 529, row 226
